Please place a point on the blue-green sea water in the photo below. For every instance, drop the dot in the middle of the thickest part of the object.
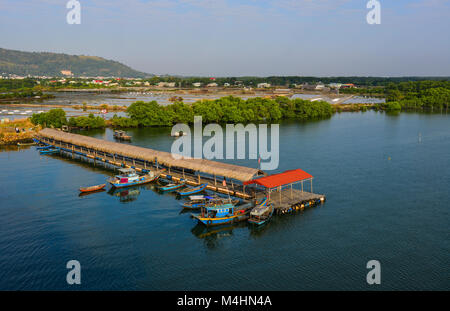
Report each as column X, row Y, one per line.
column 387, row 182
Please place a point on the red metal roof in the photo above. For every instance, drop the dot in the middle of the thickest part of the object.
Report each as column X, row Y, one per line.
column 281, row 179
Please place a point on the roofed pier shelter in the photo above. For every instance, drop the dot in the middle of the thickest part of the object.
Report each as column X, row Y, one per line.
column 280, row 188
column 194, row 171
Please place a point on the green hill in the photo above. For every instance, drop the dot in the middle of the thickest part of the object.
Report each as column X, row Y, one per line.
column 51, row 64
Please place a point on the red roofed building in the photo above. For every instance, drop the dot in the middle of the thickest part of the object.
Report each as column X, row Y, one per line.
column 279, row 181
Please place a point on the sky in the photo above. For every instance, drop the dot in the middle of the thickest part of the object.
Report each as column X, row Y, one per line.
column 241, row 38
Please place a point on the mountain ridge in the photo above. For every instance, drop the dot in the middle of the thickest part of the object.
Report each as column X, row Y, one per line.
column 52, row 64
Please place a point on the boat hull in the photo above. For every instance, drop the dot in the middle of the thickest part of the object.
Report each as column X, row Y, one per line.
column 50, row 151
column 134, row 183
column 193, row 191
column 171, row 188
column 194, row 206
column 222, row 220
column 93, row 188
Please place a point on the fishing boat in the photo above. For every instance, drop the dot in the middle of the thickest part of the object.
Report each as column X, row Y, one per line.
column 262, row 212
column 171, row 186
column 121, row 135
column 49, row 151
column 92, row 188
column 128, row 177
column 199, row 201
column 223, row 214
column 26, row 144
column 192, row 191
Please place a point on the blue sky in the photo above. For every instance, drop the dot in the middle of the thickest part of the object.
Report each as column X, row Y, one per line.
column 235, row 38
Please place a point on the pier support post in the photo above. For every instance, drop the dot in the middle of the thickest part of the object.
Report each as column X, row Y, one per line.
column 280, row 195
column 311, row 186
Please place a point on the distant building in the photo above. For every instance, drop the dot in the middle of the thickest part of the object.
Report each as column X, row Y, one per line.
column 226, row 84
column 335, row 85
column 166, row 84
column 66, row 72
column 262, row 85
column 212, row 84
column 347, row 85
column 197, row 84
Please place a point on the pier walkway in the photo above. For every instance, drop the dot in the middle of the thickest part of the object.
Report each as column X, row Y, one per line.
column 241, row 182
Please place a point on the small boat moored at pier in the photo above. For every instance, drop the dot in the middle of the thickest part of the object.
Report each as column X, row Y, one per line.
column 92, row 188
column 262, row 212
column 192, row 191
column 49, row 151
column 223, row 214
column 199, row 201
column 172, row 186
column 121, row 135
column 128, row 177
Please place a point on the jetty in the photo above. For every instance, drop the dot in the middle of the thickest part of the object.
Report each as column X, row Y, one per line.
column 238, row 181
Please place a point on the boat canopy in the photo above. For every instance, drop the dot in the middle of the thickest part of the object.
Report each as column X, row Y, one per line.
column 196, row 197
column 127, row 170
column 260, row 210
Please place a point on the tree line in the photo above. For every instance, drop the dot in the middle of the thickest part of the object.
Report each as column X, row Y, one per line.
column 223, row 110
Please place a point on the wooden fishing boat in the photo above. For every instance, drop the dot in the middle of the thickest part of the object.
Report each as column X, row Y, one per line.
column 199, row 201
column 92, row 188
column 192, row 191
column 121, row 135
column 223, row 214
column 262, row 212
column 171, row 187
column 26, row 144
column 128, row 177
column 49, row 151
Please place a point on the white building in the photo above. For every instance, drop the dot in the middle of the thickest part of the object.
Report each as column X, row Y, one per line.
column 262, row 85
column 197, row 84
column 212, row 84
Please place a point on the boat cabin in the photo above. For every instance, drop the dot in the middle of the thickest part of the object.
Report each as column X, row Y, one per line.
column 121, row 135
column 219, row 211
column 127, row 175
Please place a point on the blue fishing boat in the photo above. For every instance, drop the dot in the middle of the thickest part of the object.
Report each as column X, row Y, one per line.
column 223, row 214
column 49, row 151
column 171, row 187
column 192, row 191
column 261, row 213
column 199, row 201
column 43, row 148
column 128, row 177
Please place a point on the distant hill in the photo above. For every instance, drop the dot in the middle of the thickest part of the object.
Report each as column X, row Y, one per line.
column 51, row 64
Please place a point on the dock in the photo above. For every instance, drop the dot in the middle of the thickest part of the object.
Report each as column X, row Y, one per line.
column 240, row 180
column 289, row 200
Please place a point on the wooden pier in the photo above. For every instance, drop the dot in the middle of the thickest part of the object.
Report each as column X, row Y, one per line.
column 289, row 200
column 193, row 171
column 241, row 182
